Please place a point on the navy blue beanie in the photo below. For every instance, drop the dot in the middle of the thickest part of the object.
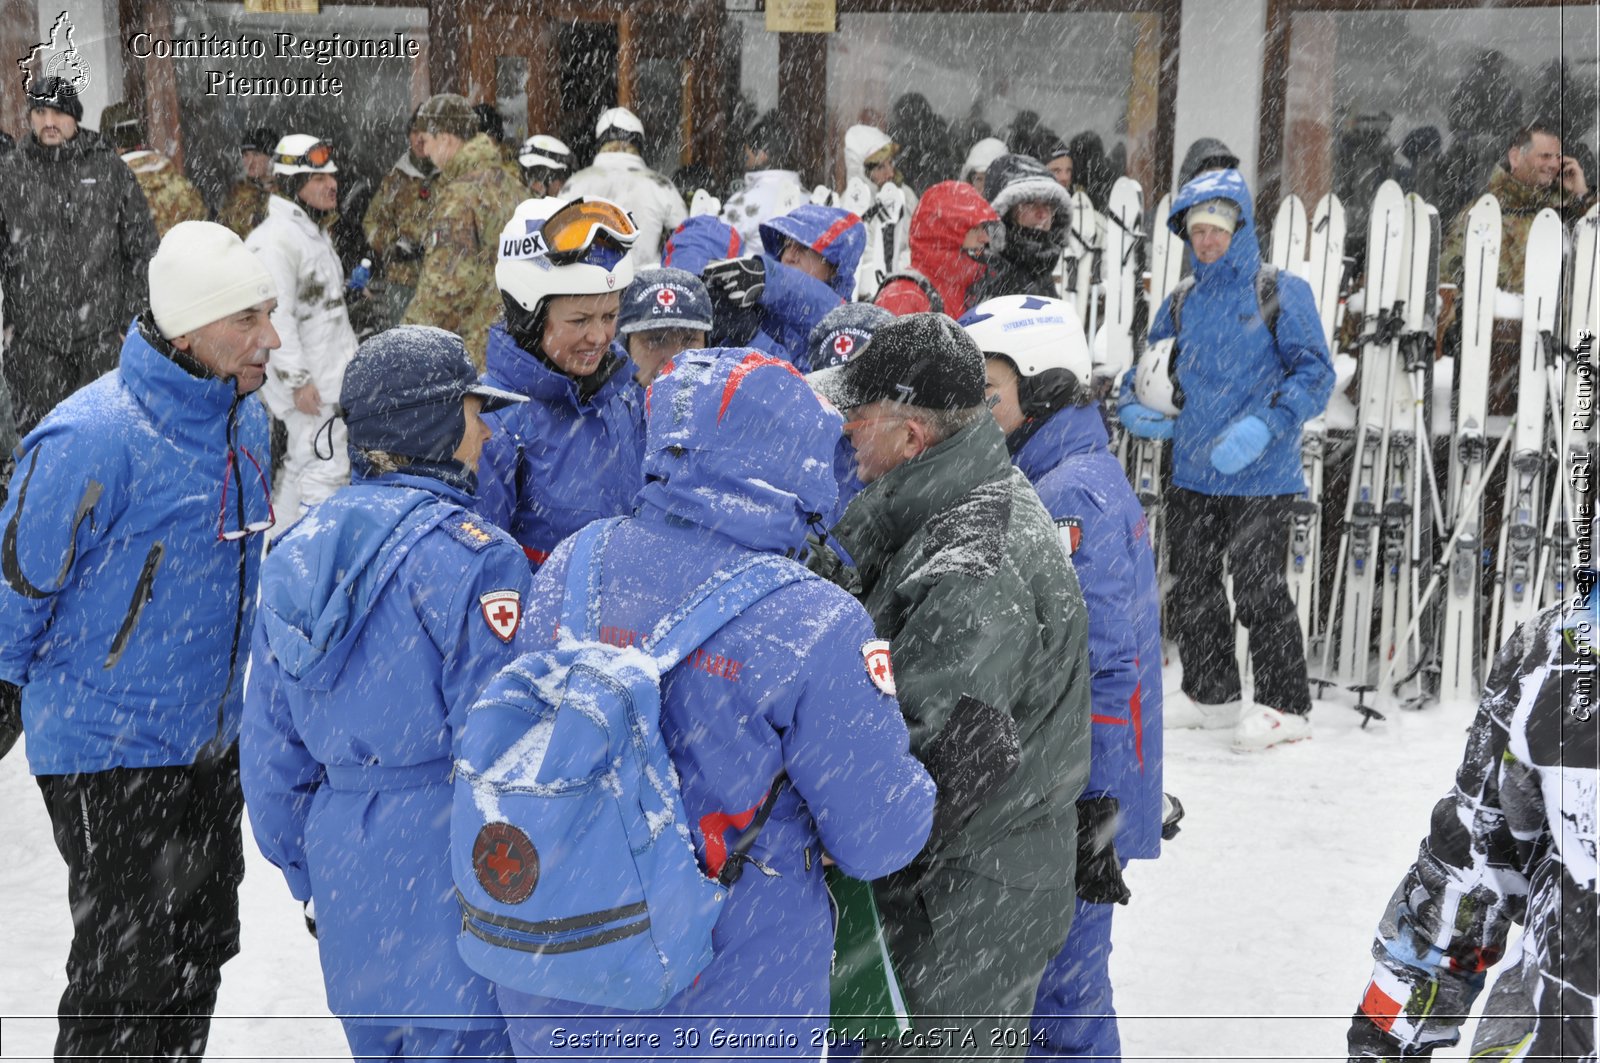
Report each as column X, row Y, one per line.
column 403, row 389
column 843, row 332
column 664, row 298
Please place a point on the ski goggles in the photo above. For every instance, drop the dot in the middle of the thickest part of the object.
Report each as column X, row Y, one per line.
column 318, row 154
column 233, row 474
column 591, row 231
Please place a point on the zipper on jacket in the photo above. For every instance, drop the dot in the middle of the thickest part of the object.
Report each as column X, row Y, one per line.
column 143, row 592
column 238, row 613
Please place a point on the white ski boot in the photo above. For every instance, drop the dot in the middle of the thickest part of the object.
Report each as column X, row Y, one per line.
column 1180, row 712
column 1263, row 728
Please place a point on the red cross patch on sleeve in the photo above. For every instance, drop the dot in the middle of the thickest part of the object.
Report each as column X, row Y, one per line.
column 876, row 655
column 502, row 611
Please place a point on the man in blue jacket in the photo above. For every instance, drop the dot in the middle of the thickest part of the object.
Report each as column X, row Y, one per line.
column 808, row 267
column 796, row 683
column 383, row 614
column 1038, row 369
column 125, row 610
column 1247, row 388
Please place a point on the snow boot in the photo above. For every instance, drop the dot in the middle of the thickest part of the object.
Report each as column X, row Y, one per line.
column 1181, row 712
column 1265, row 728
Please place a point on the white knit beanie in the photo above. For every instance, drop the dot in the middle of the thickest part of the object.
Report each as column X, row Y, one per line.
column 1223, row 213
column 201, row 273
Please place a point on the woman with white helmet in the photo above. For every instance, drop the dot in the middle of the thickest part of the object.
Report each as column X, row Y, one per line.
column 305, row 374
column 573, row 452
column 1038, row 370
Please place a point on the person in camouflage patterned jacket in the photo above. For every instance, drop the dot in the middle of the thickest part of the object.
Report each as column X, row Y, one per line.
column 1513, row 842
column 397, row 224
column 473, row 199
column 246, row 205
column 169, row 194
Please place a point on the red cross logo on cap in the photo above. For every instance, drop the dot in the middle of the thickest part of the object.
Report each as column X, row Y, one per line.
column 843, row 345
column 666, row 297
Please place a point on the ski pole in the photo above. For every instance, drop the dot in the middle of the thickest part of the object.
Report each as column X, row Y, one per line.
column 1440, row 568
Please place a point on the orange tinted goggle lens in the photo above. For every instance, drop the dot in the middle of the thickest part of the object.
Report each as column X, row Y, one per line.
column 316, row 155
column 572, row 228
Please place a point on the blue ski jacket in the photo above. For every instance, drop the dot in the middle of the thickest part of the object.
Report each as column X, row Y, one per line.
column 782, row 687
column 559, row 460
column 1082, row 485
column 1229, row 365
column 383, row 613
column 124, row 616
column 794, row 301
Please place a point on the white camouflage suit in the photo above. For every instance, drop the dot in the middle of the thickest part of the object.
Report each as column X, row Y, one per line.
column 317, row 344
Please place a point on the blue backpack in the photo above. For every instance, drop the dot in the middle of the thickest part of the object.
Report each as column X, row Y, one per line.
column 570, row 847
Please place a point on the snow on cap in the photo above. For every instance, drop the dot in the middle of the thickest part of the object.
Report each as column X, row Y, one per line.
column 921, row 360
column 201, row 273
column 664, row 298
column 1223, row 213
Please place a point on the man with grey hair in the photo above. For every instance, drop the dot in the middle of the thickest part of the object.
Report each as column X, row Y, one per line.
column 965, row 575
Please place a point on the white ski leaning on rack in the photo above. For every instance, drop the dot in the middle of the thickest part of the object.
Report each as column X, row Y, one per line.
column 1080, row 259
column 1460, row 650
column 1119, row 279
column 1517, row 563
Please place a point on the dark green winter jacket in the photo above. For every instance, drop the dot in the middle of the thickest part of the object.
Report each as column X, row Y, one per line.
column 963, row 572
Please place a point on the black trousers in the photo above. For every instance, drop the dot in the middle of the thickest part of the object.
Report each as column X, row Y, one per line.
column 1252, row 534
column 154, row 861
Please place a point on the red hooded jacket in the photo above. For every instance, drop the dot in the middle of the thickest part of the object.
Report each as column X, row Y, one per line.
column 947, row 211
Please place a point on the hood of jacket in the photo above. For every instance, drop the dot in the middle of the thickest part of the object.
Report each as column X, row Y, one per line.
column 1243, row 257
column 982, row 155
column 1201, row 150
column 1014, row 179
column 713, row 460
column 947, row 212
column 860, row 143
column 183, row 399
column 1039, row 447
column 701, row 240
column 422, row 171
column 832, row 232
column 146, row 160
column 316, row 594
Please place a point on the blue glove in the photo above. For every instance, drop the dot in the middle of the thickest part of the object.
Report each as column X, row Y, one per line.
column 1241, row 445
column 1144, row 423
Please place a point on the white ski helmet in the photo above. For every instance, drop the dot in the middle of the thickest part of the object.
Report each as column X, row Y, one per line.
column 619, row 123
column 1153, row 382
column 302, row 153
column 542, row 149
column 565, row 247
column 1037, row 334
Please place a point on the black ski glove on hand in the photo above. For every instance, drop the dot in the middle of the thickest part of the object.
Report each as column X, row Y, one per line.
column 1099, row 877
column 10, row 716
column 969, row 760
column 739, row 280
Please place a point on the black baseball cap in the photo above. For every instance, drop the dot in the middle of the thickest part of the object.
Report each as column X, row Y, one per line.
column 922, row 360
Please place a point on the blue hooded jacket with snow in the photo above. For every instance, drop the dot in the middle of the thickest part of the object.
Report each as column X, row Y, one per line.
column 563, row 458
column 1228, row 364
column 793, row 301
column 1067, row 460
column 124, row 616
column 383, row 613
column 700, row 241
column 782, row 687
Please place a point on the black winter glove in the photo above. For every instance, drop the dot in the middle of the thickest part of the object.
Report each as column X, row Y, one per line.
column 975, row 754
column 311, row 916
column 10, row 716
column 1099, row 877
column 740, row 281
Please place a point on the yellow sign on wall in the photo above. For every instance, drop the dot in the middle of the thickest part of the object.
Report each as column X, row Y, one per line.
column 802, row 16
column 283, row 7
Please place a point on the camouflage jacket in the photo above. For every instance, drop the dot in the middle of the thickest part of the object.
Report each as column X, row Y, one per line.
column 397, row 219
column 171, row 197
column 1514, row 842
column 1519, row 203
column 473, row 199
column 245, row 207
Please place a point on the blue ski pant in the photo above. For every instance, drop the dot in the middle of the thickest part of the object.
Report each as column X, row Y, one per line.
column 390, row 1044
column 1073, row 1017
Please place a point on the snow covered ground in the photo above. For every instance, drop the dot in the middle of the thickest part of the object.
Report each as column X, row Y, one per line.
column 1248, row 939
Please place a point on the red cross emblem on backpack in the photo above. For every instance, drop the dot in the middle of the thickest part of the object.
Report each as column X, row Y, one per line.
column 666, row 297
column 502, row 611
column 879, row 670
column 506, row 863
